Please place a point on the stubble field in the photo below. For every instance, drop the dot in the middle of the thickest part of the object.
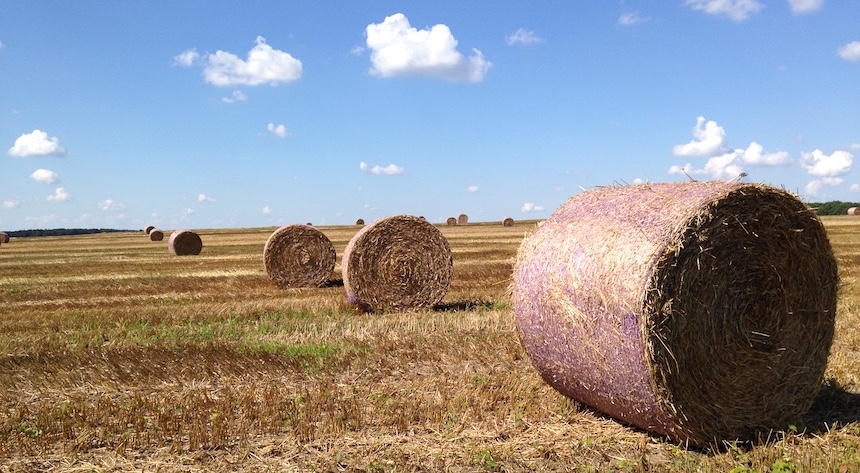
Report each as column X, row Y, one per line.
column 117, row 356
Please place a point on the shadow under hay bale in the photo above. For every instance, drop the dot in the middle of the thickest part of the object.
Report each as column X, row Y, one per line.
column 703, row 311
column 508, row 222
column 184, row 243
column 299, row 256
column 149, row 229
column 156, row 235
column 397, row 263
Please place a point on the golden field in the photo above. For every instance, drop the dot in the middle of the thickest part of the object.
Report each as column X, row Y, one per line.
column 117, row 356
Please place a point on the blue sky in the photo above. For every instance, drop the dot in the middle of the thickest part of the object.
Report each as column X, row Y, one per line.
column 213, row 114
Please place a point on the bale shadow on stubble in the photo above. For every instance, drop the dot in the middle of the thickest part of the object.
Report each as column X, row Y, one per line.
column 467, row 305
column 833, row 406
column 333, row 283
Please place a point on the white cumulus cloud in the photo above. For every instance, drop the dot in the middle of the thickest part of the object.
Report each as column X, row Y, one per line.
column 59, row 195
column 10, row 203
column 530, row 207
column 278, row 130
column 267, row 210
column 736, row 10
column 110, row 205
column 819, row 164
column 523, row 36
column 237, row 96
column 805, row 6
column 390, row 170
column 264, row 65
column 473, row 188
column 398, row 49
column 204, row 198
column 709, row 138
column 44, row 176
column 631, row 18
column 36, row 143
column 186, row 58
column 851, row 51
column 855, row 188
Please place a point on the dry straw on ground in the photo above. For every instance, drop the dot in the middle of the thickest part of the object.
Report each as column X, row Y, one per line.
column 508, row 222
column 149, row 229
column 397, row 263
column 156, row 234
column 184, row 243
column 463, row 219
column 298, row 256
column 451, row 221
column 703, row 311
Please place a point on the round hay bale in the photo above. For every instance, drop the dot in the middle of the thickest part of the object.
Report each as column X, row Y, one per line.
column 462, row 219
column 702, row 311
column 853, row 211
column 359, row 221
column 397, row 263
column 508, row 222
column 184, row 243
column 298, row 256
column 451, row 221
column 149, row 229
column 156, row 235
column 4, row 237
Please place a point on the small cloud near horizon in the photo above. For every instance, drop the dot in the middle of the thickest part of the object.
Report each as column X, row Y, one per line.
column 522, row 36
column 59, row 195
column 530, row 207
column 390, row 170
column 204, row 198
column 473, row 188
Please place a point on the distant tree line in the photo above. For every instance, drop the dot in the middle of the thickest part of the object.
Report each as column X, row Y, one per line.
column 62, row 232
column 834, row 207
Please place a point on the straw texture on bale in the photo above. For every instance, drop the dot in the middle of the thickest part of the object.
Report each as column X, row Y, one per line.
column 451, row 221
column 298, row 256
column 149, row 229
column 156, row 235
column 463, row 219
column 853, row 211
column 397, row 263
column 508, row 222
column 184, row 243
column 702, row 311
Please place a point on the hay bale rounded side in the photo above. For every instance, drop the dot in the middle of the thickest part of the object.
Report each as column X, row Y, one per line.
column 703, row 311
column 360, row 222
column 149, row 229
column 451, row 221
column 396, row 263
column 298, row 256
column 508, row 222
column 4, row 237
column 853, row 211
column 462, row 219
column 184, row 243
column 156, row 235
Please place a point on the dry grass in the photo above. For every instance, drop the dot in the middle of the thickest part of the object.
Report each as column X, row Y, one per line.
column 118, row 357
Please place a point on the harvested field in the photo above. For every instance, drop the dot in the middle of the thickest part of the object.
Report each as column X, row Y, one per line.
column 118, row 356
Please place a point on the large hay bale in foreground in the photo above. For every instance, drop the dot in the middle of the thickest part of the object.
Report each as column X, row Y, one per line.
column 298, row 256
column 156, row 235
column 184, row 243
column 703, row 311
column 396, row 263
column 462, row 219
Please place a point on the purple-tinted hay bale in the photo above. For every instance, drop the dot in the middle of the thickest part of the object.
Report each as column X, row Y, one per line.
column 508, row 222
column 451, row 221
column 149, row 229
column 397, row 263
column 703, row 311
column 853, row 211
column 184, row 243
column 462, row 219
column 298, row 256
column 156, row 235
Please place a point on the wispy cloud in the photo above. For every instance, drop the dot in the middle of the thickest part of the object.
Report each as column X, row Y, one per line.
column 59, row 195
column 108, row 205
column 267, row 210
column 10, row 203
column 523, row 36
column 851, row 51
column 237, row 96
column 398, row 49
column 735, row 10
column 799, row 7
column 631, row 18
column 390, row 170
column 473, row 188
column 530, row 207
column 278, row 130
column 204, row 198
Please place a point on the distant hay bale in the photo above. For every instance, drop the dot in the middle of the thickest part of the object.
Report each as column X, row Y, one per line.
column 359, row 221
column 184, row 243
column 508, row 222
column 703, row 311
column 397, row 263
column 4, row 237
column 298, row 256
column 853, row 211
column 462, row 219
column 149, row 229
column 451, row 221
column 156, row 235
